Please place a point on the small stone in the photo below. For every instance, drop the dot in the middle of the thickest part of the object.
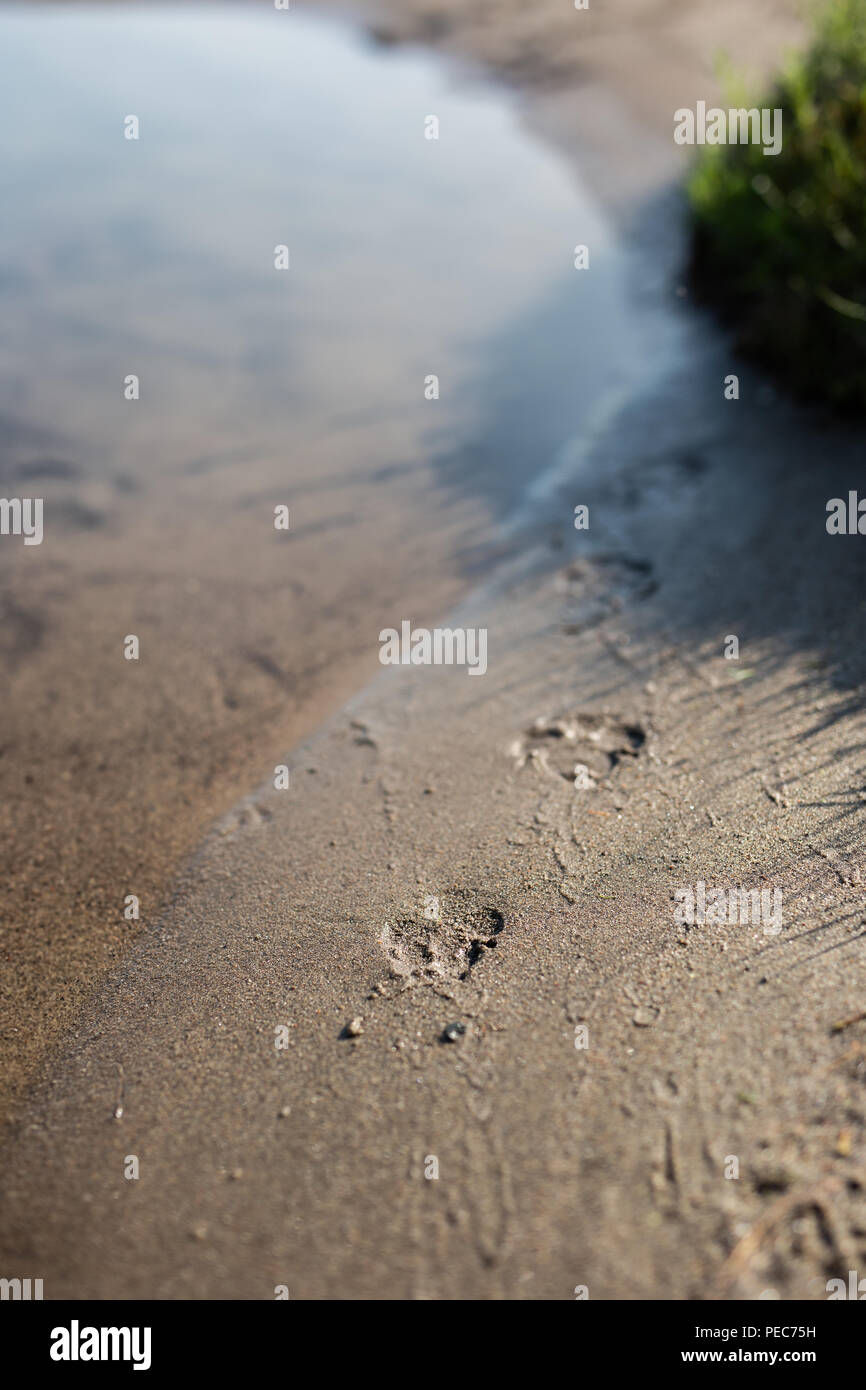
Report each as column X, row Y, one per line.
column 285, row 1112
column 355, row 1028
column 452, row 1031
column 644, row 1017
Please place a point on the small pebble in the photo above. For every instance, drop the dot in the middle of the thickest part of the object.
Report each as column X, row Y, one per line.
column 355, row 1028
column 645, row 1018
column 583, row 779
column 452, row 1031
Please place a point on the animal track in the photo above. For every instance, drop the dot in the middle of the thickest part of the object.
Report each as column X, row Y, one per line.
column 595, row 588
column 447, row 947
column 248, row 816
column 582, row 748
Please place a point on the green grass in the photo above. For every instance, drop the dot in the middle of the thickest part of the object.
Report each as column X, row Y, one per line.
column 779, row 243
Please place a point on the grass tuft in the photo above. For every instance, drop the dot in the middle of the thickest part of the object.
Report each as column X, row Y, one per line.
column 779, row 242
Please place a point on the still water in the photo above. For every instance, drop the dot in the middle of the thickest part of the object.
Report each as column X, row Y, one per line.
column 408, row 257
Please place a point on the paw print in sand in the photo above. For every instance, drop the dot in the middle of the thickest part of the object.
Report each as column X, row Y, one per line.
column 584, row 749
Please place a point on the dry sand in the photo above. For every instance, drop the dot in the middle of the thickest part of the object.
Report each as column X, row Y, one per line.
column 558, row 1166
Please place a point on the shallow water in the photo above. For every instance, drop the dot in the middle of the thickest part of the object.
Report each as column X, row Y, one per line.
column 408, row 256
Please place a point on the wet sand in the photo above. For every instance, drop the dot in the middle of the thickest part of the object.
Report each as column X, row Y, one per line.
column 111, row 772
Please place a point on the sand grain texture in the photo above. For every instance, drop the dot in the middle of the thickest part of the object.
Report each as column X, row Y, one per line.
column 559, row 1166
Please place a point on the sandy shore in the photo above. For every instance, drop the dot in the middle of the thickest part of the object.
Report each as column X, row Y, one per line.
column 110, row 774
column 605, row 1164
column 599, row 1160
column 69, row 796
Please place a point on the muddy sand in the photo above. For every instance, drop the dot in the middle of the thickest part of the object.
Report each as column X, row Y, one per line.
column 631, row 1104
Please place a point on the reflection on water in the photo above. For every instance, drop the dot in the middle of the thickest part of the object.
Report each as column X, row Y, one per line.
column 408, row 256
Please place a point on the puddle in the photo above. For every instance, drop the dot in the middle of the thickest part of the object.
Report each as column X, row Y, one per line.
column 409, row 258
